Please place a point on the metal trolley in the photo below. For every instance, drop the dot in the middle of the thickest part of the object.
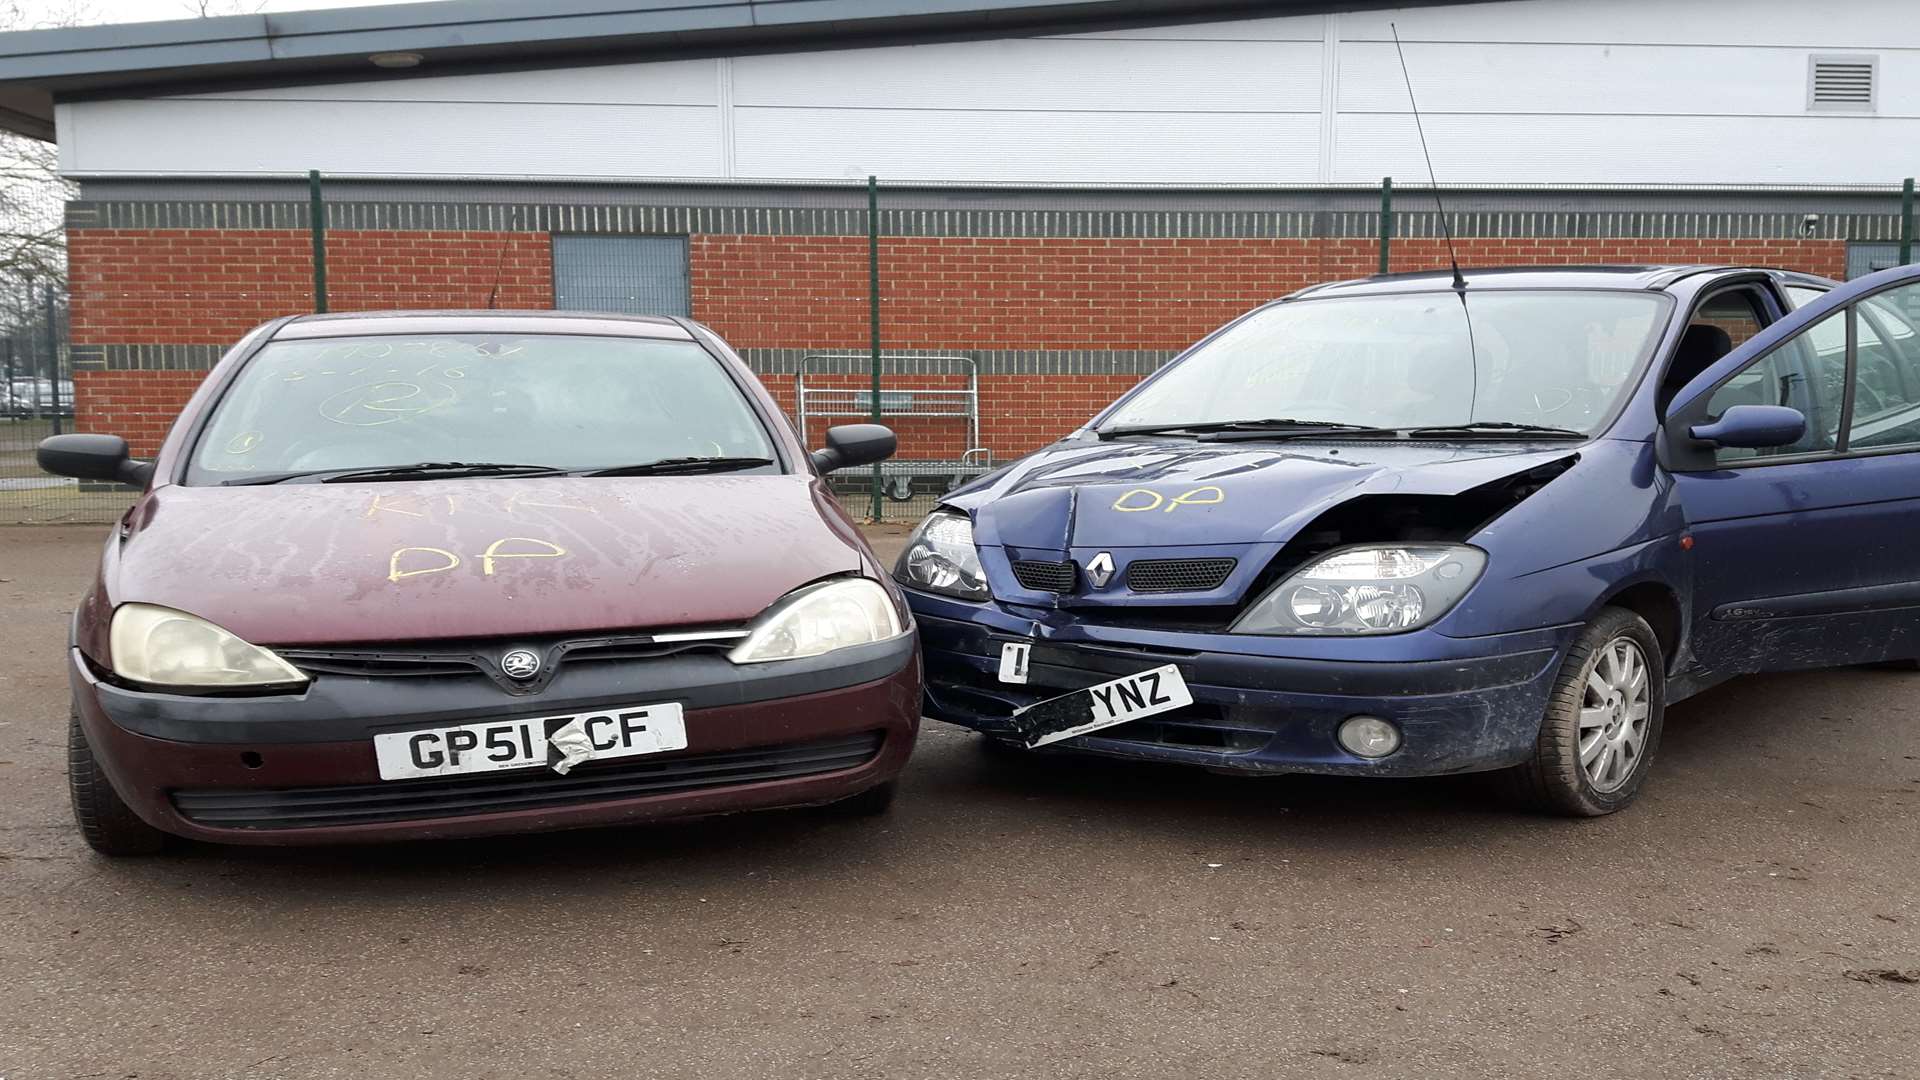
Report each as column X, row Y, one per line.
column 933, row 395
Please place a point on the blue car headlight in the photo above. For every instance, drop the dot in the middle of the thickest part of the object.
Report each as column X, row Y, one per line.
column 1369, row 589
column 940, row 558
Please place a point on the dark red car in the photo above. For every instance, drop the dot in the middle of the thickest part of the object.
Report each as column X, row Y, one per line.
column 449, row 574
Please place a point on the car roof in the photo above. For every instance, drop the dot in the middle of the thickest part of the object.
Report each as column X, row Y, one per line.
column 595, row 323
column 1652, row 277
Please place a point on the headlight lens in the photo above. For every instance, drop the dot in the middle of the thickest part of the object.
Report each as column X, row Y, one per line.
column 941, row 558
column 163, row 647
column 1375, row 589
column 819, row 619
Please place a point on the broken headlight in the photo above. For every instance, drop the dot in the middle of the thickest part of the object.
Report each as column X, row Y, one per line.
column 162, row 647
column 940, row 558
column 1375, row 589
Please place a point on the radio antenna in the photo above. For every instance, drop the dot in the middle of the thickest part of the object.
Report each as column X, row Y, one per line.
column 1446, row 230
column 500, row 260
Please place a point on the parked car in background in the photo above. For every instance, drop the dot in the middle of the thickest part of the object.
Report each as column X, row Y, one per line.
column 40, row 397
column 442, row 574
column 1412, row 525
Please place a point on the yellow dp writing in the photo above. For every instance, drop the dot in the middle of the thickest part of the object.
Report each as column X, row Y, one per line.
column 1142, row 500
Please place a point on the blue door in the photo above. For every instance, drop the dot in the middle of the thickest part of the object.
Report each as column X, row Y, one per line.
column 1808, row 555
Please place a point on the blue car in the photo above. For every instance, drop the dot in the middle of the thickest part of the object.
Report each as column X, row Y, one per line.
column 1422, row 524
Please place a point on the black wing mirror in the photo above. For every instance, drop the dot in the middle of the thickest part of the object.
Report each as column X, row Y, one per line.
column 854, row 444
column 93, row 457
column 1753, row 427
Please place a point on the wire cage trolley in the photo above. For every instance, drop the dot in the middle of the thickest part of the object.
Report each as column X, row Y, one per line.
column 916, row 386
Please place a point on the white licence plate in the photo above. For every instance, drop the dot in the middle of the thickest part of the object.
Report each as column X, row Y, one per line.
column 1147, row 693
column 627, row 731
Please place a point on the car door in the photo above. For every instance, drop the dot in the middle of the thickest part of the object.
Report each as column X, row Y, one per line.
column 1804, row 555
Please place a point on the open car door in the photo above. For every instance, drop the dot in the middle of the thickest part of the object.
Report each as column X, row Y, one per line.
column 1805, row 550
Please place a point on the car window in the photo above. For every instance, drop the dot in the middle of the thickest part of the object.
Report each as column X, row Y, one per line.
column 1886, row 382
column 1829, row 335
column 1551, row 357
column 566, row 401
column 1735, row 311
column 1799, row 374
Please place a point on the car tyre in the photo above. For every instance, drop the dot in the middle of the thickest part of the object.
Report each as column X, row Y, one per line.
column 1601, row 731
column 872, row 802
column 106, row 822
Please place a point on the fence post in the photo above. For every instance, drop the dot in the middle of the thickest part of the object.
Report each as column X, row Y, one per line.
column 873, row 294
column 1906, row 222
column 317, row 212
column 1386, row 222
column 53, row 362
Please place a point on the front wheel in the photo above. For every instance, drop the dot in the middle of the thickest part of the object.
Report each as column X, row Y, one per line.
column 1603, row 722
column 106, row 822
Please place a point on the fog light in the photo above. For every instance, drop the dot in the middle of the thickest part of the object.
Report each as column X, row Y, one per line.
column 1369, row 736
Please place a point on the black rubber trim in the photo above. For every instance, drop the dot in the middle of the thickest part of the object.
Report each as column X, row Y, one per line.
column 339, row 708
column 411, row 800
column 1071, row 667
column 1832, row 602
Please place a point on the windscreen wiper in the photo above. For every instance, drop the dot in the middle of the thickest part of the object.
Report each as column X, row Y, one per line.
column 680, row 465
column 419, row 470
column 1495, row 428
column 1269, row 426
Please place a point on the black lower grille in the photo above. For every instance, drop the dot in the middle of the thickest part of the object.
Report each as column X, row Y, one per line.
column 411, row 800
column 1177, row 575
column 1053, row 577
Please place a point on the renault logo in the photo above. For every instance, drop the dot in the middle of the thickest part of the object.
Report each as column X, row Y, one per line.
column 1100, row 569
column 522, row 664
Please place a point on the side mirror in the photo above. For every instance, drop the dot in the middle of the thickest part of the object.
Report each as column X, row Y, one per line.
column 93, row 457
column 1753, row 427
column 854, row 444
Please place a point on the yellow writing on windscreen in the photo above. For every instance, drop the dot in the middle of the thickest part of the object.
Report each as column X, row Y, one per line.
column 1142, row 500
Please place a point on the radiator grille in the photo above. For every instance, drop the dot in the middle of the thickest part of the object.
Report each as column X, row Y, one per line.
column 411, row 800
column 1178, row 575
column 1053, row 577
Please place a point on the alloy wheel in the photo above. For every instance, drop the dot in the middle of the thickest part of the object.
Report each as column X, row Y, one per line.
column 1615, row 707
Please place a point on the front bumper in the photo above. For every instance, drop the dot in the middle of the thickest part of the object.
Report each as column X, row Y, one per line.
column 1260, row 704
column 300, row 768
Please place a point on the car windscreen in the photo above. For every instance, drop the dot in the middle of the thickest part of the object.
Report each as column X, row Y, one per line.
column 1558, row 358
column 571, row 402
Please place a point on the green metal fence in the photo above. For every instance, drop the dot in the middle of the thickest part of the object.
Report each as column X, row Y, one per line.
column 980, row 320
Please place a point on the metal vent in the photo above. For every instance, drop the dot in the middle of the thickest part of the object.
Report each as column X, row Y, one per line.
column 1053, row 577
column 1177, row 575
column 1842, row 83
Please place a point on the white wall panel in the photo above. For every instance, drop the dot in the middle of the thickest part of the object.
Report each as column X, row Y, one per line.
column 1792, row 23
column 429, row 139
column 685, row 82
column 1027, row 146
column 1612, row 150
column 1643, row 79
column 1523, row 92
column 1185, row 76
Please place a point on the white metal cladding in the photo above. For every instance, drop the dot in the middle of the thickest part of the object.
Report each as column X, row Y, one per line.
column 1528, row 92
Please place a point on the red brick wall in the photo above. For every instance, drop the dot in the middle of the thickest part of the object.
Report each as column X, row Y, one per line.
column 138, row 406
column 1061, row 293
column 207, row 287
column 181, row 286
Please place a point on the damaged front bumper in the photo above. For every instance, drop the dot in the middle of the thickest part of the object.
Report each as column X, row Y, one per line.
column 1262, row 704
